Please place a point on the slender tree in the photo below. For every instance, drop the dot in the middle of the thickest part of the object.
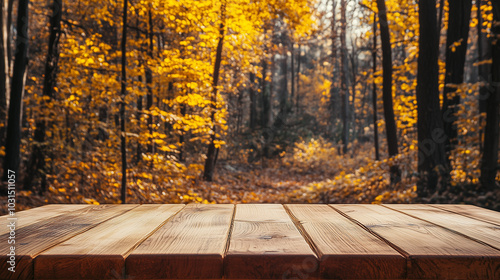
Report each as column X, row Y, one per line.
column 431, row 137
column 5, row 22
column 123, row 139
column 139, row 97
column 385, row 38
column 297, row 96
column 484, row 71
column 456, row 50
column 253, row 102
column 283, row 93
column 344, row 76
column 13, row 141
column 265, row 103
column 374, row 86
column 212, row 152
column 149, row 82
column 334, row 87
column 37, row 161
column 292, row 73
column 489, row 163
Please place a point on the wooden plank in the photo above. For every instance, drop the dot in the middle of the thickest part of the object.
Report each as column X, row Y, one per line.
column 434, row 252
column 472, row 211
column 40, row 236
column 475, row 229
column 190, row 245
column 346, row 250
column 265, row 244
column 99, row 253
column 33, row 215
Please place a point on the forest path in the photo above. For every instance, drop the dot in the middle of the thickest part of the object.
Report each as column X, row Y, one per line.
column 271, row 182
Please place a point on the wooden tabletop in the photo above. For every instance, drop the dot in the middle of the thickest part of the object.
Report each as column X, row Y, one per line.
column 253, row 241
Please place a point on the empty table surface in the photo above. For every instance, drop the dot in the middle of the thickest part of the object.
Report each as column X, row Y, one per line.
column 252, row 241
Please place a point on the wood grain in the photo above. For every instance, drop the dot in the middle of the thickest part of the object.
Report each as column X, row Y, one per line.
column 472, row 211
column 434, row 252
column 33, row 215
column 346, row 250
column 476, row 229
column 100, row 252
column 189, row 246
column 265, row 244
column 33, row 239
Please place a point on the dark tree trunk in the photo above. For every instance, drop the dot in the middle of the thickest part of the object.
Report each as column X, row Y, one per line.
column 149, row 85
column 212, row 152
column 264, row 100
column 239, row 110
column 458, row 33
column 4, row 66
column 374, row 86
column 332, row 114
column 484, row 70
column 182, row 141
column 385, row 38
column 441, row 12
column 297, row 97
column 265, row 113
column 283, row 94
column 13, row 140
column 343, row 77
column 431, row 137
column 292, row 73
column 138, row 157
column 37, row 161
column 123, row 140
column 489, row 163
column 253, row 102
column 354, row 72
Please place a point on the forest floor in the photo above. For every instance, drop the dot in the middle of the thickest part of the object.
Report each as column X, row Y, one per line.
column 312, row 173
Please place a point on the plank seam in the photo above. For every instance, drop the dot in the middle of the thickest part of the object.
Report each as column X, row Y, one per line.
column 303, row 232
column 465, row 215
column 230, row 231
column 443, row 227
column 405, row 254
column 42, row 220
column 151, row 233
column 228, row 243
column 87, row 229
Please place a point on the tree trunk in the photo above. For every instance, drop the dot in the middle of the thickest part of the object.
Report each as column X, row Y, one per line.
column 123, row 140
column 292, row 73
column 138, row 157
column 456, row 49
column 431, row 137
column 390, row 124
column 264, row 93
column 253, row 103
column 4, row 66
column 283, row 94
column 182, row 141
column 484, row 70
column 333, row 88
column 37, row 161
column 354, row 72
column 343, row 77
column 374, row 86
column 441, row 12
column 297, row 97
column 149, row 85
column 13, row 140
column 212, row 150
column 489, row 163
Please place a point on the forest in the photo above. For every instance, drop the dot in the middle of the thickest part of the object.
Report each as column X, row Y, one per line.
column 245, row 101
